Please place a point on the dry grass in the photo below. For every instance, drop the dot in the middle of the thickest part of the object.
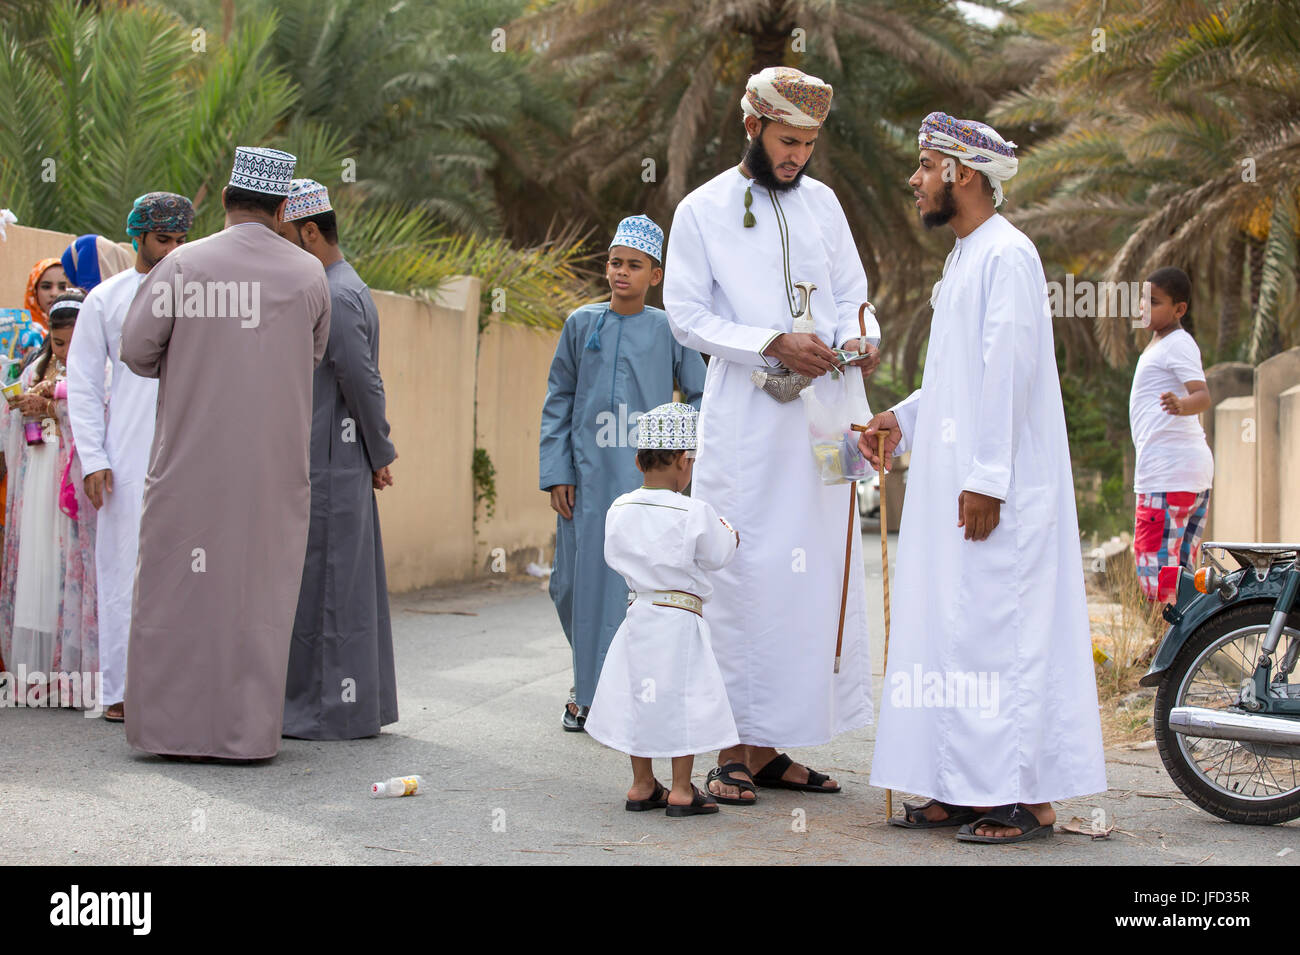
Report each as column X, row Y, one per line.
column 1126, row 628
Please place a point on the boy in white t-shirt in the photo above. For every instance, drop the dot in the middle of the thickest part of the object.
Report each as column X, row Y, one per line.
column 1175, row 468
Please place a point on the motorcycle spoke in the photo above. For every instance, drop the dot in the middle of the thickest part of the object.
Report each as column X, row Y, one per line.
column 1256, row 771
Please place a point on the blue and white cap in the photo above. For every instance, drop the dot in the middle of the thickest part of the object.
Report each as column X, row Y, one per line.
column 670, row 427
column 307, row 197
column 258, row 169
column 640, row 233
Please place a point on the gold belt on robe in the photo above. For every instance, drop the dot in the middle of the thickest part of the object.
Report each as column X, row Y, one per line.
column 670, row 598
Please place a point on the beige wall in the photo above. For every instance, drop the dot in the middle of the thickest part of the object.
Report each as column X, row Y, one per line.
column 1232, row 501
column 1227, row 379
column 23, row 249
column 1272, row 377
column 1288, row 463
column 426, row 357
column 513, row 365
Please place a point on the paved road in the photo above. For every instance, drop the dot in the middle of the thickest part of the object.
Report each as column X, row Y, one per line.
column 483, row 672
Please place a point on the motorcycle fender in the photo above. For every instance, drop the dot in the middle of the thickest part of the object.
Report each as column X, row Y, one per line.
column 1193, row 608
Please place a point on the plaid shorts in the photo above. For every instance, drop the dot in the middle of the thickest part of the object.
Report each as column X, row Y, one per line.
column 1167, row 536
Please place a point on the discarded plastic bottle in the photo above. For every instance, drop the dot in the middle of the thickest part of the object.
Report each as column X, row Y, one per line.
column 397, row 786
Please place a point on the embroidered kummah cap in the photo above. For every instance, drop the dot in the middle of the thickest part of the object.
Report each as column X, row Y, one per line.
column 640, row 233
column 259, row 169
column 972, row 144
column 787, row 95
column 159, row 212
column 307, row 197
column 670, row 426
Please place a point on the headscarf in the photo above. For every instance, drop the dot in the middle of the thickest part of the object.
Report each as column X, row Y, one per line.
column 973, row 144
column 159, row 212
column 29, row 300
column 787, row 95
column 92, row 258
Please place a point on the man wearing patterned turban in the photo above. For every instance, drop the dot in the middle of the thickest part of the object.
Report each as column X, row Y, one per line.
column 114, row 429
column 739, row 243
column 990, row 516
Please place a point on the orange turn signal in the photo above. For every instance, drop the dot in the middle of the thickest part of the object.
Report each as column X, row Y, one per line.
column 1204, row 579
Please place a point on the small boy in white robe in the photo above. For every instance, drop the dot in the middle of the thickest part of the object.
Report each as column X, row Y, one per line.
column 660, row 691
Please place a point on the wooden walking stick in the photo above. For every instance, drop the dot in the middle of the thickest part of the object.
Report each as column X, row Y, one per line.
column 853, row 506
column 884, row 577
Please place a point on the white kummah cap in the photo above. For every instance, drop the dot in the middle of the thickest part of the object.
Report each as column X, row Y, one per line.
column 670, row 427
column 640, row 233
column 972, row 144
column 787, row 95
column 307, row 197
column 259, row 169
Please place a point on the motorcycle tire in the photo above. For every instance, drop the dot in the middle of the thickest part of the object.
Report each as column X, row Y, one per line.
column 1254, row 812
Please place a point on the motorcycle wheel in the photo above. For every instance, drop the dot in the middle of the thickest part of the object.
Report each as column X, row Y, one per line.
column 1251, row 783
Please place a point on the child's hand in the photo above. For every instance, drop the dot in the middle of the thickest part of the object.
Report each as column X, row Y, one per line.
column 562, row 500
column 1171, row 403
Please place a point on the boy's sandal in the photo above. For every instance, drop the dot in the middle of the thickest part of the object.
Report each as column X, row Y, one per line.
column 701, row 805
column 725, row 776
column 574, row 722
column 769, row 777
column 1014, row 816
column 658, row 800
column 914, row 816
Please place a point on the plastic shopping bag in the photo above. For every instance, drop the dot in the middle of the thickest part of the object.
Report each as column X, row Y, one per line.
column 832, row 404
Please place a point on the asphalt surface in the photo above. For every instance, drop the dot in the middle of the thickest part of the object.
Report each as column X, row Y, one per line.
column 483, row 671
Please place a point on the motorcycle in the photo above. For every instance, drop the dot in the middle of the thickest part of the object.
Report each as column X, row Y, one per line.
column 1227, row 709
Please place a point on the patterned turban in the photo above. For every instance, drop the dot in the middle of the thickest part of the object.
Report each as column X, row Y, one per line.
column 159, row 212
column 972, row 144
column 787, row 95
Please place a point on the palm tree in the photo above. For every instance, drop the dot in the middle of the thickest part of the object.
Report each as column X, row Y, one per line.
column 97, row 108
column 657, row 89
column 1173, row 143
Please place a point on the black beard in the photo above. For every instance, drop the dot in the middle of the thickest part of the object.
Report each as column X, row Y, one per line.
column 759, row 164
column 944, row 214
column 145, row 257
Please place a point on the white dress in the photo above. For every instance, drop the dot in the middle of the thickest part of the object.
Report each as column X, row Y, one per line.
column 660, row 691
column 990, row 697
column 112, row 431
column 776, row 608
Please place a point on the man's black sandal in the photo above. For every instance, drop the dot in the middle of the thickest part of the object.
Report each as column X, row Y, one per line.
column 700, row 805
column 1014, row 816
column 769, row 777
column 658, row 800
column 914, row 816
column 725, row 776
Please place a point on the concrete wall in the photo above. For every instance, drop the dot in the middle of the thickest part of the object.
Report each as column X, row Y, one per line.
column 426, row 356
column 24, row 248
column 513, row 365
column 437, row 378
column 1272, row 377
column 1228, row 379
column 1288, row 463
column 1232, row 501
